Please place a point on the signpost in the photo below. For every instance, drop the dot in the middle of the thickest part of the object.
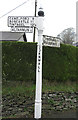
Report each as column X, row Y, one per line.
column 26, row 23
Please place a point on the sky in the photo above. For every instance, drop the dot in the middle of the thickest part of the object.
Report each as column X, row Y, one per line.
column 59, row 14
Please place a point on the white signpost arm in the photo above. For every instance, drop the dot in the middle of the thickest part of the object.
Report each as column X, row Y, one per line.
column 38, row 101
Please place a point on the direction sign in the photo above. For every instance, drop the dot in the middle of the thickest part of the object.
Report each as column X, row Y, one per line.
column 20, row 21
column 51, row 41
column 22, row 29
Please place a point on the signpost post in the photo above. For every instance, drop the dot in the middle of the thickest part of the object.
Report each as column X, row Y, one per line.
column 38, row 101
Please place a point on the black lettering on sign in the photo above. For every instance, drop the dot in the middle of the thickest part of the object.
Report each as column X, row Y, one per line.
column 39, row 58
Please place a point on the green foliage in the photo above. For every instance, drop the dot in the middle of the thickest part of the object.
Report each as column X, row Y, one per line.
column 51, row 101
column 19, row 62
column 60, row 63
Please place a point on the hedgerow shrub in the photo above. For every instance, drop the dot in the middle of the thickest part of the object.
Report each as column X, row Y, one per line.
column 60, row 63
column 19, row 62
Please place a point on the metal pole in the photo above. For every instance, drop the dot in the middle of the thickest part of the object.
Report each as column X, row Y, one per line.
column 35, row 16
column 38, row 101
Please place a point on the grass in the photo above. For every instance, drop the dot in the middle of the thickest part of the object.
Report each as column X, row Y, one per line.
column 11, row 116
column 28, row 88
column 22, row 88
column 18, row 87
column 54, row 86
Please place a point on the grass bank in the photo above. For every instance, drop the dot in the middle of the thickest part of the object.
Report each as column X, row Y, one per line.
column 28, row 88
column 19, row 97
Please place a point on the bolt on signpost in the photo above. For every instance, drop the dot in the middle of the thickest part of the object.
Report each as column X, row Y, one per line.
column 38, row 101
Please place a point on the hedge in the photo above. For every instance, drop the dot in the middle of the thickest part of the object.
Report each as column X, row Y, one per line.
column 19, row 62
